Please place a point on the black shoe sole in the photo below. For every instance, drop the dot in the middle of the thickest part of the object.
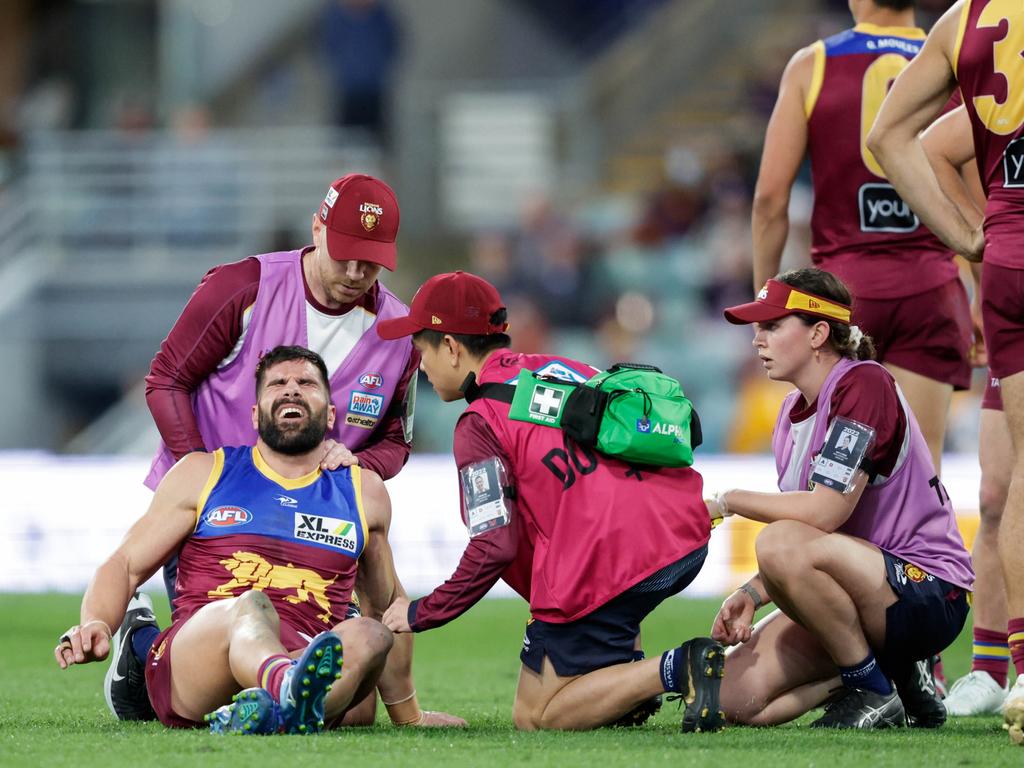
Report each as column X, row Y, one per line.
column 706, row 667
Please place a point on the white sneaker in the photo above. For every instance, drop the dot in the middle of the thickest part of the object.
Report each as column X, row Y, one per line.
column 976, row 693
column 1013, row 712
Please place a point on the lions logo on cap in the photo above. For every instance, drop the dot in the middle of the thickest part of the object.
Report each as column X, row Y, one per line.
column 763, row 293
column 371, row 213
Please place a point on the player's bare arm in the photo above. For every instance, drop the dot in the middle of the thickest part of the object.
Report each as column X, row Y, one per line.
column 149, row 542
column 785, row 144
column 949, row 145
column 823, row 508
column 917, row 96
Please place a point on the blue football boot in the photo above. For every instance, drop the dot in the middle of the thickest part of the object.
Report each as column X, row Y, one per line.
column 251, row 712
column 306, row 683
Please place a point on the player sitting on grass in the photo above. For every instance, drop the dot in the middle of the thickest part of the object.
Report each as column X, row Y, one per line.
column 269, row 547
column 593, row 543
column 861, row 553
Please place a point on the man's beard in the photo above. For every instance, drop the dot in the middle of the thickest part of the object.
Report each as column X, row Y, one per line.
column 293, row 442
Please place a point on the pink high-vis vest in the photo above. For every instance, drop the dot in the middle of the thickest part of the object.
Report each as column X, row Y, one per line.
column 907, row 514
column 594, row 525
column 362, row 387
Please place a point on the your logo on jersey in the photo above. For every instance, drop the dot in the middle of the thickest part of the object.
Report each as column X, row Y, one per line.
column 882, row 210
column 1013, row 164
column 330, row 531
column 371, row 380
column 226, row 517
column 366, row 404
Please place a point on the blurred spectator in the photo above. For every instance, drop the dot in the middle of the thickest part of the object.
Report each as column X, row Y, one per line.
column 361, row 41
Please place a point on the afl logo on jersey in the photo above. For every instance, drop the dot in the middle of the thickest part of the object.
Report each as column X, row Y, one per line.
column 371, row 380
column 226, row 517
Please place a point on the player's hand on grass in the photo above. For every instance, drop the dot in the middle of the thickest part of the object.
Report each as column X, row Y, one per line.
column 83, row 643
column 734, row 622
column 337, row 455
column 440, row 720
column 396, row 617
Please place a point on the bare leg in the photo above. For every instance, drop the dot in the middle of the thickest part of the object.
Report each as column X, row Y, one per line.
column 929, row 401
column 995, row 452
column 831, row 584
column 219, row 651
column 1011, row 531
column 778, row 675
column 586, row 701
column 365, row 644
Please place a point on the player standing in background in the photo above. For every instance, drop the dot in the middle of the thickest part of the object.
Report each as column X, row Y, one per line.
column 950, row 148
column 978, row 45
column 593, row 543
column 907, row 293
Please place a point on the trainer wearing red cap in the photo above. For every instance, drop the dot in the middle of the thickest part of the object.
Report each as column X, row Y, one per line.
column 593, row 543
column 326, row 297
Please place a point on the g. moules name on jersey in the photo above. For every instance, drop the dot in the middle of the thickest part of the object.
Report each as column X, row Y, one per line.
column 331, row 531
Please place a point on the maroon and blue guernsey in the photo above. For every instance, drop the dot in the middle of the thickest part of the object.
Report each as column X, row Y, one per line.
column 990, row 70
column 861, row 230
column 296, row 540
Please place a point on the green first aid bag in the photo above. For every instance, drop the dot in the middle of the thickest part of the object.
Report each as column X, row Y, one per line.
column 633, row 412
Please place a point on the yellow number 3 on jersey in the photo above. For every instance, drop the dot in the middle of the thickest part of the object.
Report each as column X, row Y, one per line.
column 1008, row 58
column 877, row 81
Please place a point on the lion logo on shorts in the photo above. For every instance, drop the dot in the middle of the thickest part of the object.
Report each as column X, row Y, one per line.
column 914, row 573
column 251, row 571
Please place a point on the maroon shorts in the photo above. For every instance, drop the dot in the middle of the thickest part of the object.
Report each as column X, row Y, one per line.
column 993, row 398
column 928, row 333
column 1002, row 314
column 158, row 672
column 158, row 680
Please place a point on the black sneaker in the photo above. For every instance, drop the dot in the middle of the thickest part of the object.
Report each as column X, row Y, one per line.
column 857, row 708
column 921, row 701
column 705, row 665
column 125, row 684
column 643, row 712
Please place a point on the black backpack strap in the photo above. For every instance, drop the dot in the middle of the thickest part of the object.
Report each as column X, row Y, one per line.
column 494, row 391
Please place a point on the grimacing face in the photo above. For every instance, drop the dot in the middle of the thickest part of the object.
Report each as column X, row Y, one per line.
column 294, row 410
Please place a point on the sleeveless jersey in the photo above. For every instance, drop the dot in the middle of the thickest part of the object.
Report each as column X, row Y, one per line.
column 296, row 540
column 861, row 230
column 594, row 525
column 990, row 69
column 362, row 387
column 907, row 514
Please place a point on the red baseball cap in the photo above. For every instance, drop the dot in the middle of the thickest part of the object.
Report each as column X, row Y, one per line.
column 360, row 216
column 777, row 300
column 455, row 302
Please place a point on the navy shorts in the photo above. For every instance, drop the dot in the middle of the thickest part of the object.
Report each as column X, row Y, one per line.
column 926, row 617
column 607, row 635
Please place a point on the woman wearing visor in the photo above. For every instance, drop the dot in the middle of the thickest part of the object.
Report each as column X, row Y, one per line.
column 861, row 554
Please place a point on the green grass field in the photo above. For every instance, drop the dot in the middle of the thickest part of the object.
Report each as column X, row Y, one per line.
column 54, row 718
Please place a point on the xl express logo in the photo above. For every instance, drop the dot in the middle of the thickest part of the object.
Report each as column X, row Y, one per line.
column 227, row 517
column 329, row 531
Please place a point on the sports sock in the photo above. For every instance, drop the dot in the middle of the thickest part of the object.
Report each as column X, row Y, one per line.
column 867, row 676
column 1015, row 639
column 142, row 641
column 271, row 673
column 991, row 654
column 673, row 670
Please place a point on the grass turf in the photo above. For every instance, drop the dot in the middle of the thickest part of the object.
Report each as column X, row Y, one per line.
column 50, row 717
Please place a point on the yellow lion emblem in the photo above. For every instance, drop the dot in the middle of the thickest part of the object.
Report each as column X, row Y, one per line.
column 250, row 571
column 914, row 573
